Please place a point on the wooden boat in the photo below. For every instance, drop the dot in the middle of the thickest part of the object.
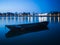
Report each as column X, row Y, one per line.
column 28, row 27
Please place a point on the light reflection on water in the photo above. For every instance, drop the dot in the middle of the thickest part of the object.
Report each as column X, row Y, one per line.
column 21, row 20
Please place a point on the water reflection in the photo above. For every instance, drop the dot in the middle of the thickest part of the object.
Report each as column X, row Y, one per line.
column 50, row 34
column 41, row 19
column 54, row 19
column 12, row 33
column 21, row 20
column 58, row 19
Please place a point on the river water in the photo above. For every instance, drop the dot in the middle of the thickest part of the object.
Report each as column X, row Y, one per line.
column 50, row 36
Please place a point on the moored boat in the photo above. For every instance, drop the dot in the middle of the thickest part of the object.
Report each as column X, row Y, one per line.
column 30, row 26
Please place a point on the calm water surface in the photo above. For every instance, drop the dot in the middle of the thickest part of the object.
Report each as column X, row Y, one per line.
column 50, row 36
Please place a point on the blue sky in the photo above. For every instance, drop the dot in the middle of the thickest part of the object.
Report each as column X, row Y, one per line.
column 29, row 5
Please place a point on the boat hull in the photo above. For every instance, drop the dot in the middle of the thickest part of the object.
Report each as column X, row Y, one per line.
column 28, row 27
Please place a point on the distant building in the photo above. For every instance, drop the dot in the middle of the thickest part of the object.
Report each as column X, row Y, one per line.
column 26, row 14
column 0, row 14
column 43, row 14
column 54, row 13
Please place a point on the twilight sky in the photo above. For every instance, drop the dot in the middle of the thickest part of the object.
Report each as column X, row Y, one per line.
column 29, row 5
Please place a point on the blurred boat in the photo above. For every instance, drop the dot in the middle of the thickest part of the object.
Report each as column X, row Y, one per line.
column 28, row 27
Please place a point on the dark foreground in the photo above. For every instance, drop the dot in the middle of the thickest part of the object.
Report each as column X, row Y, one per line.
column 49, row 36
